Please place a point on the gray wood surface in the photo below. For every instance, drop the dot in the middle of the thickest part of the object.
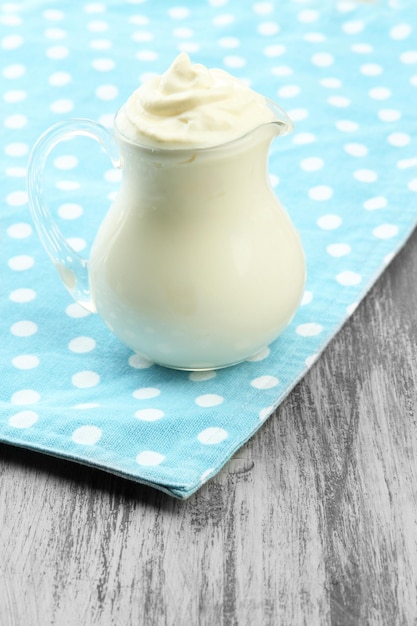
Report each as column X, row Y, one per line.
column 313, row 522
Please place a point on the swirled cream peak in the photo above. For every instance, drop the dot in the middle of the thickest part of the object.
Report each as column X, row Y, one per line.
column 192, row 106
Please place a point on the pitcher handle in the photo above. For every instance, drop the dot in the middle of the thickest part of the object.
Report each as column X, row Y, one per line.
column 72, row 267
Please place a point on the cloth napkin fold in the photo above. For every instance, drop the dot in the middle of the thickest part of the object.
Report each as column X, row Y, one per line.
column 347, row 74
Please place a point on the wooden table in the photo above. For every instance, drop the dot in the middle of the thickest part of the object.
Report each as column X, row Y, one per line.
column 313, row 522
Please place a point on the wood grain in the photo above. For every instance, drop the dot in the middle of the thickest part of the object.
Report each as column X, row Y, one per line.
column 313, row 522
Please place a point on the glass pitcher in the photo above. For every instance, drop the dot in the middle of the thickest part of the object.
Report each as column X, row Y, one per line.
column 196, row 264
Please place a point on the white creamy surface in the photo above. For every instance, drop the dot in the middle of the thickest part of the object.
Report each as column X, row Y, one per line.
column 192, row 106
column 196, row 264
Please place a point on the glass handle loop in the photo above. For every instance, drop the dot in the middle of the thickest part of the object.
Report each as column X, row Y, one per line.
column 72, row 267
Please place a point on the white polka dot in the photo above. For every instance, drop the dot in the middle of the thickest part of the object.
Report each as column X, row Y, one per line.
column 95, row 7
column 329, row 222
column 100, row 44
column 20, row 230
column 378, row 202
column 362, row 48
column 385, row 231
column 400, row 31
column 412, row 185
column 202, row 376
column 206, row 475
column 147, row 55
column 212, row 435
column 264, row 382
column 288, row 91
column 22, row 295
column 234, row 61
column 142, row 36
column 371, row 69
column 137, row 361
column 76, row 243
column 17, row 198
column 268, row 28
column 16, row 172
column 321, row 192
column 23, row 328
column 229, row 42
column 25, row 361
column 322, row 59
column 103, row 65
column 10, row 20
column 345, row 6
column 53, row 15
column 67, row 162
column 70, row 211
column 87, row 435
column 307, row 297
column 261, row 355
column 97, row 26
column 338, row 249
column 75, row 310
column 331, row 83
column 18, row 120
column 399, row 140
column 57, row 53
column 149, row 458
column 298, row 115
column 353, row 27
column 106, row 120
column 282, row 70
column 86, row 405
column 149, row 415
column 107, row 92
column 139, row 20
column 365, row 176
column 274, row 180
column 223, row 20
column 311, row 164
column 347, row 126
column 356, row 149
column 62, row 106
column 263, row 8
column 23, row 419
column 348, row 278
column 67, row 185
column 145, row 393
column 82, row 344
column 351, row 308
column 307, row 16
column 310, row 360
column 85, row 379
column 11, row 42
column 179, row 13
column 389, row 115
column 304, row 138
column 183, row 32
column 25, row 396
column 21, row 262
column 380, row 93
column 188, row 46
column 315, row 37
column 274, row 50
column 413, row 80
column 59, row 79
column 16, row 149
column 409, row 57
column 55, row 33
column 309, row 329
column 16, row 95
column 338, row 101
column 209, row 399
column 14, row 71
column 265, row 412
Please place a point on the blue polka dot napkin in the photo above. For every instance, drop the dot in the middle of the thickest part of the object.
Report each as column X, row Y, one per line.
column 347, row 74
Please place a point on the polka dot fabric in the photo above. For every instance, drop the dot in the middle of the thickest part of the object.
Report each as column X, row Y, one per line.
column 347, row 74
